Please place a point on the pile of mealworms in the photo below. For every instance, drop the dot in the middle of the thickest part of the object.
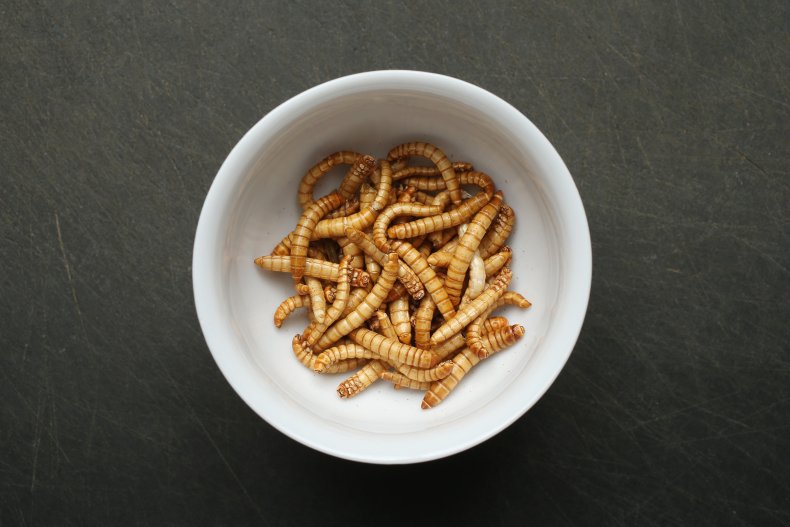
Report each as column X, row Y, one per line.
column 400, row 269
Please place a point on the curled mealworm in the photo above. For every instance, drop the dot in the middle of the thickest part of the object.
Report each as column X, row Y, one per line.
column 476, row 330
column 320, row 269
column 288, row 306
column 407, row 172
column 393, row 211
column 393, row 350
column 366, row 376
column 474, row 308
column 467, row 245
column 399, row 315
column 466, row 360
column 422, row 322
column 304, row 356
column 356, row 175
column 430, row 281
column 309, row 180
column 304, row 229
column 366, row 308
column 497, row 261
column 302, row 289
column 437, row 157
column 451, row 218
column 498, row 232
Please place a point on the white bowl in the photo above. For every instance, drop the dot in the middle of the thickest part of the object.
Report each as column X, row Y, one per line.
column 252, row 204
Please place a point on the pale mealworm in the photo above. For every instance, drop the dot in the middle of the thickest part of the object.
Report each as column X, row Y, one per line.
column 437, row 157
column 309, row 180
column 477, row 278
column 451, row 218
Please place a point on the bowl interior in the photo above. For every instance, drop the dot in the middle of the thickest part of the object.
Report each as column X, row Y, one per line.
column 260, row 207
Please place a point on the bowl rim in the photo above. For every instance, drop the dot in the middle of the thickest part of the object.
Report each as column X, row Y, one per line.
column 207, row 294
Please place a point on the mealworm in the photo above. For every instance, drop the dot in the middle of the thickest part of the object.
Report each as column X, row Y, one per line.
column 399, row 315
column 465, row 361
column 427, row 276
column 329, row 293
column 432, row 184
column 397, row 291
column 497, row 261
column 385, row 325
column 494, row 323
column 407, row 172
column 467, row 245
column 393, row 211
column 366, row 215
column 423, row 316
column 283, row 247
column 336, row 354
column 405, row 275
column 401, row 381
column 363, row 378
column 372, row 267
column 476, row 330
column 498, row 232
column 356, row 175
column 451, row 218
column 440, row 371
column 474, row 308
column 304, row 229
column 302, row 289
column 458, row 341
column 350, row 206
column 304, row 356
column 477, row 278
column 367, row 195
column 310, row 179
column 350, row 249
column 514, row 299
column 355, row 298
column 320, row 269
column 393, row 350
column 335, row 310
column 288, row 306
column 317, row 301
column 365, row 309
column 437, row 157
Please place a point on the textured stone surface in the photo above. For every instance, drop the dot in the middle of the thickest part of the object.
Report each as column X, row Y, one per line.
column 674, row 119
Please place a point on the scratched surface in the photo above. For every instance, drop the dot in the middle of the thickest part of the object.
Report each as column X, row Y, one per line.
column 674, row 119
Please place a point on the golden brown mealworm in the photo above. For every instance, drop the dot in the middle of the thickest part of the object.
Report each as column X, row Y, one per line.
column 477, row 329
column 451, row 218
column 304, row 356
column 350, row 249
column 467, row 245
column 366, row 376
column 438, row 158
column 497, row 234
column 288, row 306
column 302, row 289
column 474, row 308
column 465, row 361
column 422, row 197
column 405, row 275
column 440, row 371
column 497, row 261
column 407, row 172
column 356, row 175
column 320, row 269
column 514, row 299
column 367, row 195
column 283, row 247
column 423, row 316
column 493, row 323
column 385, row 325
column 304, row 229
column 440, row 259
column 329, row 293
column 401, row 381
column 432, row 184
column 393, row 350
column 397, row 209
column 366, row 215
column 350, row 206
column 335, row 310
column 342, row 352
column 399, row 315
column 372, row 267
column 433, row 285
column 355, row 298
column 365, row 309
column 317, row 301
column 309, row 180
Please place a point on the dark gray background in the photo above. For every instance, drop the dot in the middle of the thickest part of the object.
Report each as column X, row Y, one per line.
column 673, row 118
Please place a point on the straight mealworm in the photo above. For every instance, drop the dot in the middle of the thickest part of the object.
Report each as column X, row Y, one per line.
column 427, row 276
column 439, row 222
column 387, row 329
column 356, row 175
column 423, row 316
column 393, row 350
column 336, row 354
column 465, row 361
column 320, row 269
column 437, row 157
column 432, row 184
column 401, row 381
column 477, row 278
column 497, row 261
column 399, row 316
column 317, row 300
column 367, row 375
column 309, row 180
column 304, row 229
column 407, row 172
column 474, row 308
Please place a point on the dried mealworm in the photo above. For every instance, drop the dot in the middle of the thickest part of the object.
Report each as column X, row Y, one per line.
column 407, row 172
column 401, row 381
column 309, row 180
column 440, row 371
column 497, row 261
column 467, row 245
column 365, row 309
column 342, row 352
column 474, row 308
column 437, row 157
column 366, row 215
column 288, row 306
column 304, row 356
column 316, row 268
column 317, row 301
column 356, row 175
column 451, row 218
column 350, row 206
column 422, row 322
column 497, row 234
column 399, row 315
column 393, row 350
column 385, row 325
column 366, row 376
column 405, row 275
column 304, row 229
column 427, row 276
column 393, row 211
column 465, row 361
